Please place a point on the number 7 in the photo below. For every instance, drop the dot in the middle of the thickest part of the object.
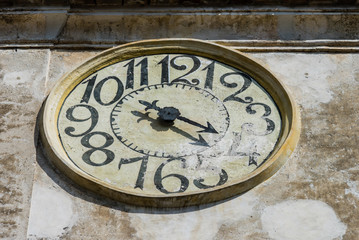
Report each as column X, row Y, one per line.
column 141, row 172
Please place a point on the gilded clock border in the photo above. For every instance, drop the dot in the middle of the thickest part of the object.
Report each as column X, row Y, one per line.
column 285, row 146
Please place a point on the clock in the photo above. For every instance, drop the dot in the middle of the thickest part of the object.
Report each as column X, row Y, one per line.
column 169, row 123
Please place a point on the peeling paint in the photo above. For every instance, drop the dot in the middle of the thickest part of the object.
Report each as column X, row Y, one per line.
column 51, row 214
column 203, row 224
column 302, row 219
column 18, row 78
column 307, row 74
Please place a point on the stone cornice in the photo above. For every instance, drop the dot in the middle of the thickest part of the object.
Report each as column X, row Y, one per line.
column 246, row 29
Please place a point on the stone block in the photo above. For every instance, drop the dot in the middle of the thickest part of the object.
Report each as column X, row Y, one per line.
column 31, row 27
column 134, row 2
column 55, row 2
column 79, row 3
column 117, row 3
column 141, row 26
column 6, row 3
column 164, row 2
column 27, row 2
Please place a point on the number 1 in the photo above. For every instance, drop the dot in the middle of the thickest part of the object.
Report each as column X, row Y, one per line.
column 131, row 68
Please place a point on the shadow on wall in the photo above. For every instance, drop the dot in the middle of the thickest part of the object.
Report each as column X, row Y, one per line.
column 77, row 191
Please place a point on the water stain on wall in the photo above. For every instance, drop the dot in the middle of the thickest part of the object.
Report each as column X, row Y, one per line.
column 10, row 195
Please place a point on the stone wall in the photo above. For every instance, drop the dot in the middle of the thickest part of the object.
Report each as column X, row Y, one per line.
column 246, row 29
column 175, row 3
column 314, row 196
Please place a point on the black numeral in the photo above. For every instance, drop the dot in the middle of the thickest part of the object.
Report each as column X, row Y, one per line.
column 97, row 90
column 158, row 177
column 130, row 69
column 85, row 141
column 247, row 82
column 141, row 172
column 165, row 63
column 267, row 112
column 209, row 75
column 223, row 177
column 144, row 71
column 90, row 84
column 181, row 79
column 70, row 115
column 165, row 72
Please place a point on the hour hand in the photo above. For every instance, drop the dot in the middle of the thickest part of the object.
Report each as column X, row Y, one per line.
column 150, row 105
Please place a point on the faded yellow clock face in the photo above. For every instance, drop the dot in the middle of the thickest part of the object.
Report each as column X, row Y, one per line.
column 165, row 124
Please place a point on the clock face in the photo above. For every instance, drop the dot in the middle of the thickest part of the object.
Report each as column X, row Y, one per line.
column 159, row 123
column 166, row 124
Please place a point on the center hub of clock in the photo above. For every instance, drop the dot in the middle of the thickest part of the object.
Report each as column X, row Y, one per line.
column 168, row 114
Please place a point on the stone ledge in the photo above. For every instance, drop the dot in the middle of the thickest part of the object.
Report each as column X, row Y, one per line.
column 175, row 3
column 243, row 46
column 247, row 30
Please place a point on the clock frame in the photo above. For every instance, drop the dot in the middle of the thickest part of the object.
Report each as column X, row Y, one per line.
column 287, row 140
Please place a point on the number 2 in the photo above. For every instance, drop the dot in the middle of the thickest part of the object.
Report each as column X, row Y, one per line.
column 247, row 82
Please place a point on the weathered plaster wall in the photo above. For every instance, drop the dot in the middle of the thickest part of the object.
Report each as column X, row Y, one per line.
column 314, row 196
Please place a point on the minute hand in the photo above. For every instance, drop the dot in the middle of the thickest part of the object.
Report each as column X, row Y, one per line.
column 208, row 129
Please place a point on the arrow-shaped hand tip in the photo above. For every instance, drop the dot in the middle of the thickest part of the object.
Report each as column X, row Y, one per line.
column 209, row 129
column 200, row 141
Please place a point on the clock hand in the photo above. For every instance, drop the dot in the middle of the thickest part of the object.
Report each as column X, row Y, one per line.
column 172, row 113
column 145, row 116
column 208, row 129
column 141, row 116
column 150, row 105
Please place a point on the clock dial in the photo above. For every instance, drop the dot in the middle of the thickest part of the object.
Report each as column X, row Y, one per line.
column 163, row 123
column 162, row 118
column 221, row 120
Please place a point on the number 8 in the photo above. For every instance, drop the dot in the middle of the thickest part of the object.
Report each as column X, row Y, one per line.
column 85, row 141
